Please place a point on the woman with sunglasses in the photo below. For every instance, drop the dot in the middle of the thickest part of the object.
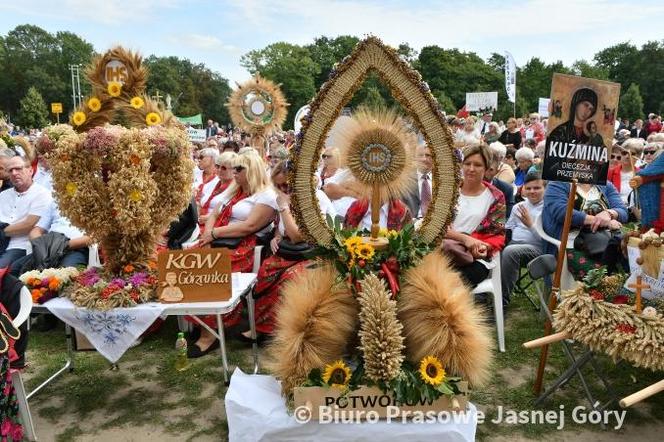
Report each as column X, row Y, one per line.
column 249, row 206
column 649, row 153
column 626, row 169
column 224, row 165
column 289, row 254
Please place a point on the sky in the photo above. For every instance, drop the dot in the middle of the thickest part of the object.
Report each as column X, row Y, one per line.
column 217, row 33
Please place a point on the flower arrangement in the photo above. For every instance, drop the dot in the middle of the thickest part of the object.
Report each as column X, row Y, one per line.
column 47, row 284
column 428, row 380
column 354, row 259
column 96, row 289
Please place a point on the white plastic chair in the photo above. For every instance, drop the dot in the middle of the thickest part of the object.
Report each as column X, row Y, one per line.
column 23, row 408
column 566, row 279
column 493, row 285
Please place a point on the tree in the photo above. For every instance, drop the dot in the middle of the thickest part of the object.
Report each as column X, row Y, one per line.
column 289, row 65
column 588, row 70
column 33, row 113
column 631, row 103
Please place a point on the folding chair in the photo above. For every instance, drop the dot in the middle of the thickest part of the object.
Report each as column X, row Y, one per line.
column 523, row 283
column 538, row 268
column 494, row 286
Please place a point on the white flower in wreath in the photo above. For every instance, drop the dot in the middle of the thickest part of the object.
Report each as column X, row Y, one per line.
column 649, row 312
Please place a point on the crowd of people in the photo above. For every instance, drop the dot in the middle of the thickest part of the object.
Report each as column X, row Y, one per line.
column 241, row 198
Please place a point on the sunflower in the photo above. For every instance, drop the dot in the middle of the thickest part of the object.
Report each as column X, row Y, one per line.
column 152, row 118
column 337, row 374
column 365, row 251
column 135, row 195
column 431, row 371
column 71, row 188
column 136, row 102
column 383, row 232
column 94, row 104
column 79, row 118
column 114, row 89
column 352, row 243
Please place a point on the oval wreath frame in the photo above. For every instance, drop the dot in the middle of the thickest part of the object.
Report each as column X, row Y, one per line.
column 405, row 83
column 261, row 87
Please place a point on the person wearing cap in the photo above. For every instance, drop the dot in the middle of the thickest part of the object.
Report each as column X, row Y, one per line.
column 625, row 170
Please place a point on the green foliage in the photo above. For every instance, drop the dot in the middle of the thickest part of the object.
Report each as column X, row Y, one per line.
column 631, row 103
column 193, row 88
column 33, row 113
column 30, row 56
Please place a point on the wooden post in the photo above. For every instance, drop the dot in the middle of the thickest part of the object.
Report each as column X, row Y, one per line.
column 375, row 211
column 638, row 286
column 555, row 288
column 642, row 394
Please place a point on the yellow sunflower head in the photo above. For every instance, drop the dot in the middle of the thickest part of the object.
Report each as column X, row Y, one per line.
column 337, row 374
column 136, row 102
column 71, row 188
column 94, row 104
column 114, row 89
column 79, row 118
column 135, row 195
column 365, row 251
column 352, row 243
column 152, row 119
column 431, row 371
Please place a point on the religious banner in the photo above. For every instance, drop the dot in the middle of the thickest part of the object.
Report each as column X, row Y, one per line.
column 481, row 101
column 510, row 77
column 195, row 275
column 543, row 107
column 583, row 111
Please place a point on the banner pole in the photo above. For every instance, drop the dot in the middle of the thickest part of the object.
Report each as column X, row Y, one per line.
column 555, row 288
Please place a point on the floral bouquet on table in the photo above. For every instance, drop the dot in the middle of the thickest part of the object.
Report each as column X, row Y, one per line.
column 135, row 285
column 45, row 285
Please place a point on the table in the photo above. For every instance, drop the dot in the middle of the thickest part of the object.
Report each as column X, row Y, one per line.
column 64, row 309
column 256, row 411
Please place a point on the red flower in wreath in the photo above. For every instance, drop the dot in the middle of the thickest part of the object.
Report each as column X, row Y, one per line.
column 596, row 295
column 626, row 328
column 620, row 299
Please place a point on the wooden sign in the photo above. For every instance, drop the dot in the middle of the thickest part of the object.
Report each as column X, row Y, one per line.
column 582, row 113
column 195, row 275
column 56, row 108
column 321, row 400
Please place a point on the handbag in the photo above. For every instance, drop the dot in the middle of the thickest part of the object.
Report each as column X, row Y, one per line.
column 458, row 252
column 294, row 251
column 592, row 243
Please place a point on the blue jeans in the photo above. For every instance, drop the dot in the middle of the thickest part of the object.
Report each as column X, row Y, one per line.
column 73, row 258
column 10, row 256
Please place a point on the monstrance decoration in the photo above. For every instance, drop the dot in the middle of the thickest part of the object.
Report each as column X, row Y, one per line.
column 257, row 107
column 121, row 185
column 379, row 150
column 409, row 311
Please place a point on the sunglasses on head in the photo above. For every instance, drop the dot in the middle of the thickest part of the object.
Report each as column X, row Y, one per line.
column 238, row 169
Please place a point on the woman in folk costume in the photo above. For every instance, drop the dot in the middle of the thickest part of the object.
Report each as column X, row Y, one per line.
column 289, row 254
column 224, row 165
column 248, row 208
column 206, row 183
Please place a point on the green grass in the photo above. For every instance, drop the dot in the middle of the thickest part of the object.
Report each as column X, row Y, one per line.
column 148, row 392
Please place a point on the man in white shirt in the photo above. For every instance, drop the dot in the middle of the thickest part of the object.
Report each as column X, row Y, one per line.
column 418, row 200
column 20, row 209
column 526, row 243
column 482, row 124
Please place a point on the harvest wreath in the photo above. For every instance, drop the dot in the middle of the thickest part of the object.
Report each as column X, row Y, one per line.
column 121, row 185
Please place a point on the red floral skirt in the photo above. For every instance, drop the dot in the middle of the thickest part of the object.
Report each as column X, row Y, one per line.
column 242, row 260
column 272, row 275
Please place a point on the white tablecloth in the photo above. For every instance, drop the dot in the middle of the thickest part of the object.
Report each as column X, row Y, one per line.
column 112, row 332
column 256, row 412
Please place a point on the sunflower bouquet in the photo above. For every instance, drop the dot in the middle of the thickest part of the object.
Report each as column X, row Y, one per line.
column 354, row 258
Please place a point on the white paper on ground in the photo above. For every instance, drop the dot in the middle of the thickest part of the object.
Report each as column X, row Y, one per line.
column 256, row 412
